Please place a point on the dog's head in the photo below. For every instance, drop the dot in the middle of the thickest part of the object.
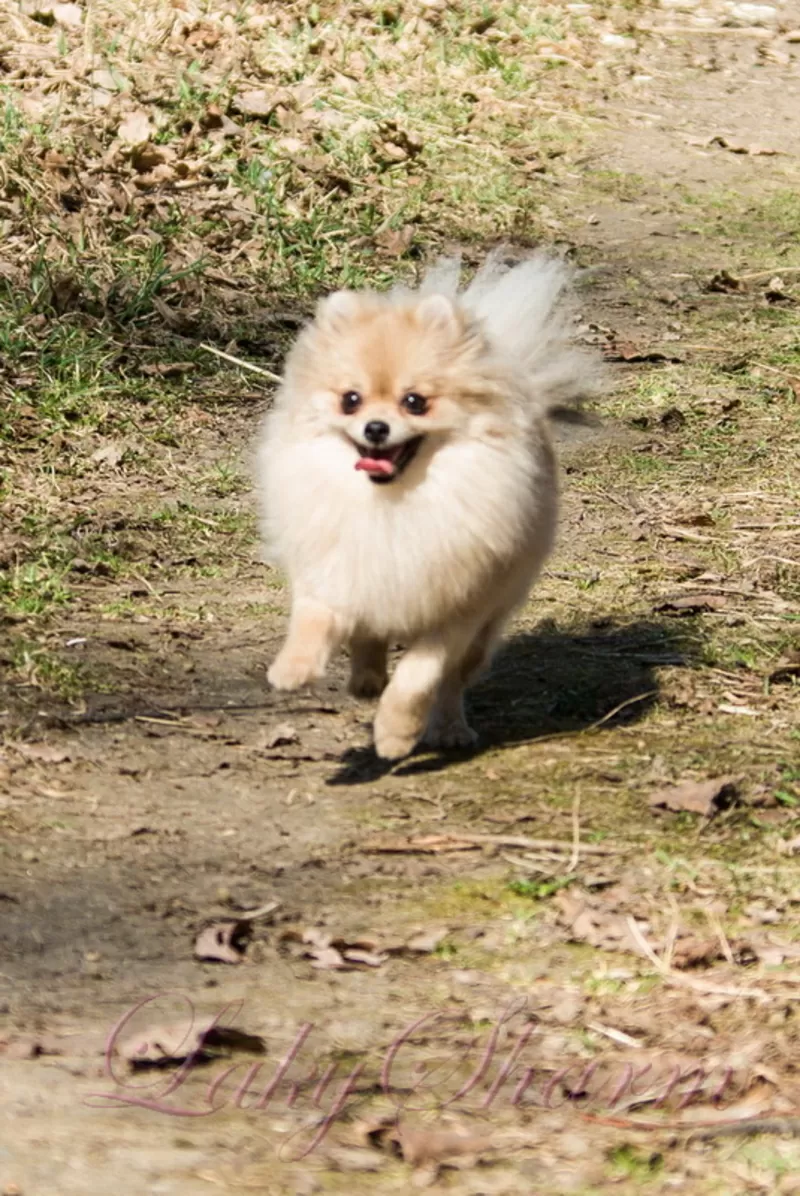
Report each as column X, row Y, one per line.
column 390, row 375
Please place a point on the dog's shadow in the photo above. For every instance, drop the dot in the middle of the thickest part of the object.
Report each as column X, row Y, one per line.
column 547, row 682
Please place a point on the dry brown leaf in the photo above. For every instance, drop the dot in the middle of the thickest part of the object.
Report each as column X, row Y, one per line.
column 110, row 454
column 592, row 920
column 135, row 129
column 698, row 797
column 146, row 157
column 787, row 668
column 692, row 952
column 737, row 147
column 326, row 958
column 625, row 351
column 726, row 283
column 68, row 15
column 45, row 753
column 223, row 942
column 259, row 104
column 395, row 241
column 168, row 369
column 281, row 735
column 427, row 940
column 174, row 1042
column 691, row 604
column 421, row 1145
column 372, row 959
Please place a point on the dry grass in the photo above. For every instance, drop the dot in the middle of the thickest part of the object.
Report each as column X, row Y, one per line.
column 177, row 175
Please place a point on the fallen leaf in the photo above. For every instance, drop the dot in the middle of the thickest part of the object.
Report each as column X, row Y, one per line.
column 395, row 143
column 135, row 129
column 260, row 103
column 110, row 454
column 54, row 160
column 146, row 157
column 672, row 420
column 395, row 241
column 168, row 369
column 372, row 959
column 787, row 668
column 698, row 797
column 174, row 1042
column 69, row 15
column 776, row 292
column 223, row 942
column 692, row 952
column 725, row 283
column 426, row 941
column 691, row 604
column 593, row 920
column 421, row 1145
column 737, row 147
column 46, row 753
column 625, row 351
column 326, row 959
column 280, row 736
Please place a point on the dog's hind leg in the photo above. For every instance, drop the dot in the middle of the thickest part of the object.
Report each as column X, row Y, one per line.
column 315, row 633
column 368, row 669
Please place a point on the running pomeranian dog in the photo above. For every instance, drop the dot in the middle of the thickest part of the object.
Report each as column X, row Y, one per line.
column 409, row 483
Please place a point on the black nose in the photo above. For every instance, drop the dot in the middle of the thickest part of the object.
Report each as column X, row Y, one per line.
column 376, row 431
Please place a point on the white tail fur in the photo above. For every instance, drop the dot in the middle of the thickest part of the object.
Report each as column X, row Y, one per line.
column 524, row 310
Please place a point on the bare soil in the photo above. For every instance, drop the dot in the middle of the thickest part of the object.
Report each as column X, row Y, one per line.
column 150, row 783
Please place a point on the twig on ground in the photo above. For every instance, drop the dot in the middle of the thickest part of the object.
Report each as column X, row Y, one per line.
column 576, row 834
column 535, row 844
column 617, row 1036
column 245, row 365
column 772, row 369
column 680, row 981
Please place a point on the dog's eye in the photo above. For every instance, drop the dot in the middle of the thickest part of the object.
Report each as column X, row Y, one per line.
column 415, row 404
column 351, row 401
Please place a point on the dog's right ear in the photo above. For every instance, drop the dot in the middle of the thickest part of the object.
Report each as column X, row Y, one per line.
column 337, row 311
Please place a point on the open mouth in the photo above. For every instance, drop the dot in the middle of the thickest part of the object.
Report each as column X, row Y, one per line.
column 384, row 465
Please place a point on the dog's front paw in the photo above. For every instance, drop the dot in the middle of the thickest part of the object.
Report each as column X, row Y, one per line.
column 394, row 747
column 291, row 671
column 451, row 736
column 395, row 738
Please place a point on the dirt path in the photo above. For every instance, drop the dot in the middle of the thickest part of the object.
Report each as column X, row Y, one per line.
column 152, row 784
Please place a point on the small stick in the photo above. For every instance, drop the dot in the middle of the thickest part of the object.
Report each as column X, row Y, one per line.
column 536, row 844
column 576, row 834
column 245, row 365
column 775, row 272
column 771, row 369
column 617, row 1036
column 681, row 981
column 250, row 915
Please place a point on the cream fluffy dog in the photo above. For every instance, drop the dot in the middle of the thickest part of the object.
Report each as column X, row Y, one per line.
column 409, row 486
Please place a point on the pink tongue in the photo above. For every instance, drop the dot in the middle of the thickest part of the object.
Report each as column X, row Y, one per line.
column 375, row 465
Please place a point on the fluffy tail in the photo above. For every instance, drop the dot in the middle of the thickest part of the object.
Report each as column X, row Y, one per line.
column 526, row 313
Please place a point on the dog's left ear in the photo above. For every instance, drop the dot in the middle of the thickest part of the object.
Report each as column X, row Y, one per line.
column 338, row 310
column 436, row 311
